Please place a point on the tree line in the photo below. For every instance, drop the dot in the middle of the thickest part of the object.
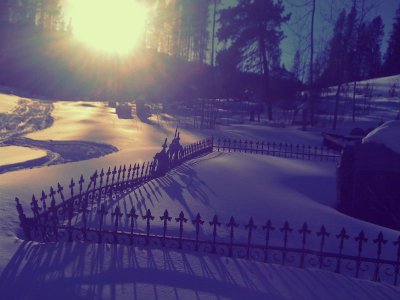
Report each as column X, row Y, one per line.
column 179, row 51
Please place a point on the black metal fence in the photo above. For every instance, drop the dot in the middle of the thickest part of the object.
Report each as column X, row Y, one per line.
column 262, row 242
column 93, row 213
column 48, row 209
column 286, row 150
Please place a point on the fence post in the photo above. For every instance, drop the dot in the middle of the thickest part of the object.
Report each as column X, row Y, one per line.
column 285, row 229
column 250, row 227
column 268, row 228
column 43, row 200
column 198, row 221
column 341, row 236
column 81, row 181
column 166, row 218
column 53, row 211
column 102, row 212
column 303, row 231
column 214, row 223
column 123, row 176
column 23, row 220
column 360, row 239
column 323, row 234
column 232, row 224
column 379, row 241
column 148, row 217
column 133, row 216
column 128, row 176
column 100, row 186
column 60, row 191
column 181, row 219
column 70, row 215
column 84, row 211
column 118, row 215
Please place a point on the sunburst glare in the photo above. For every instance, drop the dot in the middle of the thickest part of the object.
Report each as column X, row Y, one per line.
column 109, row 25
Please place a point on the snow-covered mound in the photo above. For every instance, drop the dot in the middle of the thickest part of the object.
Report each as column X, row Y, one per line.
column 387, row 134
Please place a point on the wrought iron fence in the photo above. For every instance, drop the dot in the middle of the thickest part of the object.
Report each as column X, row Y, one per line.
column 286, row 150
column 93, row 213
column 227, row 238
column 102, row 184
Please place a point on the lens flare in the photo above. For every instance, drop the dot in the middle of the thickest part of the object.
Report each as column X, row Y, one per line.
column 115, row 26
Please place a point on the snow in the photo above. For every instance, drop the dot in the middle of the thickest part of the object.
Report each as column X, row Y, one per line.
column 387, row 134
column 92, row 271
column 7, row 102
column 242, row 185
column 13, row 154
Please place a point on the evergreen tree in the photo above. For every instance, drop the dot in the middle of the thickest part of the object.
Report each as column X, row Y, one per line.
column 374, row 59
column 392, row 61
column 253, row 27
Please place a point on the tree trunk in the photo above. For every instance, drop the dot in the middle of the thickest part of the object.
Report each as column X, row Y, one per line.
column 311, row 70
column 213, row 33
column 266, row 76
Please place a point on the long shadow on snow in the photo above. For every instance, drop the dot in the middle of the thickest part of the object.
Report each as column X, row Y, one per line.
column 188, row 181
column 95, row 271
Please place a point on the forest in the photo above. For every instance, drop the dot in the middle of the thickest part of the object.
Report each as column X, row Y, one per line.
column 178, row 59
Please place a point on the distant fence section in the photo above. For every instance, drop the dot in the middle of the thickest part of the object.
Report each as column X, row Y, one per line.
column 286, row 150
column 90, row 210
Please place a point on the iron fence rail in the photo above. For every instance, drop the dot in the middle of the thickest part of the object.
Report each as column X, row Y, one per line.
column 286, row 150
column 222, row 241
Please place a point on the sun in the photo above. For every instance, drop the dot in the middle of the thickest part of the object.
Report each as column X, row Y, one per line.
column 113, row 26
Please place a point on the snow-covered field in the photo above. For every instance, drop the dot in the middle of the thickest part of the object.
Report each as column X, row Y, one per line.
column 242, row 185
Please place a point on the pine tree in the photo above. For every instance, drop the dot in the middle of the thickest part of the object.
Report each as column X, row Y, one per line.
column 253, row 27
column 392, row 61
column 374, row 60
column 342, row 55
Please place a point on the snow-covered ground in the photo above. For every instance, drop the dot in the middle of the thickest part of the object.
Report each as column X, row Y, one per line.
column 242, row 185
column 14, row 154
column 8, row 102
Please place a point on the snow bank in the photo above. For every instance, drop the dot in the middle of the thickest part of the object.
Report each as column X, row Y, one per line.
column 14, row 154
column 387, row 134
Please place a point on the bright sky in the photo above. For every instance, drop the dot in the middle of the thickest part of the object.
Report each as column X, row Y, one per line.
column 105, row 25
column 326, row 14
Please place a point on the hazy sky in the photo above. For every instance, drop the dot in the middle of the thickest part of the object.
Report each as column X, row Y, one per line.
column 327, row 11
column 326, row 14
